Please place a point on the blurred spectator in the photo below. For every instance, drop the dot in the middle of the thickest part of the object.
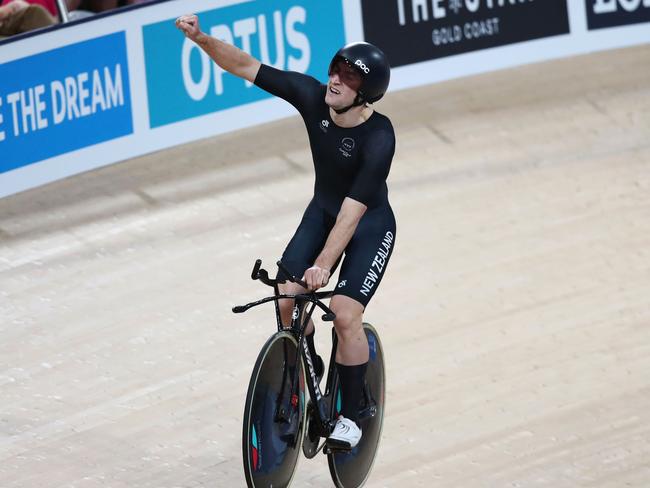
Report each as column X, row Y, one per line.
column 95, row 6
column 18, row 16
column 92, row 5
column 49, row 5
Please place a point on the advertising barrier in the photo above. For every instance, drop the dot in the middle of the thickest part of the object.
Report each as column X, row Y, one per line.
column 409, row 31
column 62, row 100
column 182, row 81
column 127, row 84
column 611, row 13
column 106, row 89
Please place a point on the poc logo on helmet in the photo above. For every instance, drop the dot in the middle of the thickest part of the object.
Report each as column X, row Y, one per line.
column 361, row 65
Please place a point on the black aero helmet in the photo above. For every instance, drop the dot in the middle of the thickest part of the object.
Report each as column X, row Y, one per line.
column 373, row 66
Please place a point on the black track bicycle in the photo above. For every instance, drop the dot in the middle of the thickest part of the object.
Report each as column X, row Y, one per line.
column 279, row 419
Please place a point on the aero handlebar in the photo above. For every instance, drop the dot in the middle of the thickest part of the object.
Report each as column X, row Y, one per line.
column 314, row 297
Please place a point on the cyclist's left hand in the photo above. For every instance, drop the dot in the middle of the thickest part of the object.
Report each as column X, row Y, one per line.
column 316, row 277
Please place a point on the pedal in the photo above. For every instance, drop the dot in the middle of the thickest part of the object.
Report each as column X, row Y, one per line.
column 329, row 450
column 368, row 412
column 333, row 446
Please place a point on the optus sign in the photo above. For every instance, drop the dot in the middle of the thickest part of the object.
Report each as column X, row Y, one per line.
column 410, row 31
column 611, row 13
column 183, row 82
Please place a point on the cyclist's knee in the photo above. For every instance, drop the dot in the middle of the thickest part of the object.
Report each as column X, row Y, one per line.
column 349, row 315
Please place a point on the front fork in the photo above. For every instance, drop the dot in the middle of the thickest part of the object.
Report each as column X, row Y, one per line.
column 288, row 399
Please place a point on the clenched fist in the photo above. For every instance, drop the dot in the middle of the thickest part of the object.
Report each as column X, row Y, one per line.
column 189, row 25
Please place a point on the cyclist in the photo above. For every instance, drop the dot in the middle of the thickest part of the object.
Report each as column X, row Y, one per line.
column 352, row 148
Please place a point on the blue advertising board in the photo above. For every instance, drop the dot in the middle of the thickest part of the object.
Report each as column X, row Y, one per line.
column 62, row 100
column 182, row 81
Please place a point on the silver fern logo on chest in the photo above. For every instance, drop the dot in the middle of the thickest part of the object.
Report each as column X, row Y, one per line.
column 347, row 145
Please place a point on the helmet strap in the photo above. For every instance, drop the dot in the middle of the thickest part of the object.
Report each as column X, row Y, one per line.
column 357, row 102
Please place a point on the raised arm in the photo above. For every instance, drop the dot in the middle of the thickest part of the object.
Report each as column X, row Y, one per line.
column 228, row 57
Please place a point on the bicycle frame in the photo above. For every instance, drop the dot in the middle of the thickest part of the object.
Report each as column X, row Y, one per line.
column 300, row 317
column 325, row 423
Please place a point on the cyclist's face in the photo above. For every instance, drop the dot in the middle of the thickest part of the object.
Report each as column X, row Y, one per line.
column 344, row 82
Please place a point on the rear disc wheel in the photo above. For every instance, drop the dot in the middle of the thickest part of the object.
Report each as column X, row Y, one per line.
column 351, row 469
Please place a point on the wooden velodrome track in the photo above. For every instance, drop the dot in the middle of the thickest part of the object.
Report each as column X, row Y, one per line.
column 515, row 313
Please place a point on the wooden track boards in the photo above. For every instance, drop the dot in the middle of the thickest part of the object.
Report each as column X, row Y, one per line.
column 514, row 314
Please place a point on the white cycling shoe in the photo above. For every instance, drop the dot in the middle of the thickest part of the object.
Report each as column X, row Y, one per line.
column 346, row 434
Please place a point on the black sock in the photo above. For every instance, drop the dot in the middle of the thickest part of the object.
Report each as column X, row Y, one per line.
column 351, row 385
